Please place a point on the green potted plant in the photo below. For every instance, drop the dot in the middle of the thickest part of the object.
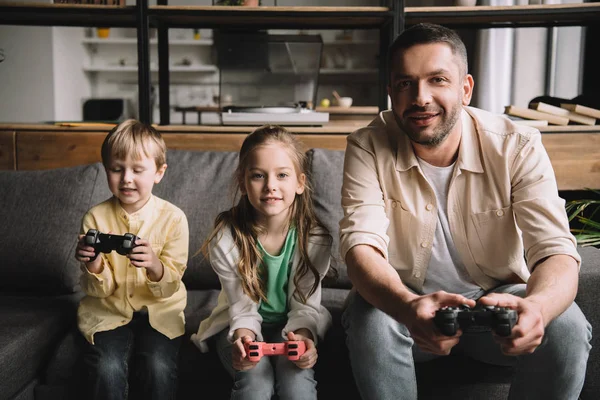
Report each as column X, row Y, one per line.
column 586, row 213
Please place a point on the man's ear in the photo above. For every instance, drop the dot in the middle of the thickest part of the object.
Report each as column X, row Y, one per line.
column 301, row 184
column 160, row 173
column 468, row 84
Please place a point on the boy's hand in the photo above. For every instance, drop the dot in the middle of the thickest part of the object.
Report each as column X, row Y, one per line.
column 84, row 252
column 309, row 358
column 142, row 256
column 239, row 359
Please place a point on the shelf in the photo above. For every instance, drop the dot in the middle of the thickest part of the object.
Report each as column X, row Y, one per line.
column 271, row 17
column 133, row 41
column 342, row 71
column 351, row 43
column 41, row 14
column 133, row 68
column 539, row 15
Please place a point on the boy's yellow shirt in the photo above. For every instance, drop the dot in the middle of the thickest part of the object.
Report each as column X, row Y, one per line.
column 113, row 295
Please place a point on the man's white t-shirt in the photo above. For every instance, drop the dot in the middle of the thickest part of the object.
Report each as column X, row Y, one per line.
column 446, row 270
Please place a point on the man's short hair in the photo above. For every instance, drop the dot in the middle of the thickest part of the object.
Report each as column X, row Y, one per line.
column 132, row 138
column 425, row 33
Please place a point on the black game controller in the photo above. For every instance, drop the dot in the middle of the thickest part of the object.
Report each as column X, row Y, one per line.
column 105, row 243
column 501, row 320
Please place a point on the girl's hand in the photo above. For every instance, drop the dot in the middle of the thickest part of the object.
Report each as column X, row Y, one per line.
column 142, row 256
column 309, row 358
column 84, row 252
column 239, row 361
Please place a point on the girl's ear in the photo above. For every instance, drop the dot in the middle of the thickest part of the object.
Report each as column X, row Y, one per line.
column 301, row 183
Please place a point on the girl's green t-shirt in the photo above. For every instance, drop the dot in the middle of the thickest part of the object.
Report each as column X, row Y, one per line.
column 277, row 270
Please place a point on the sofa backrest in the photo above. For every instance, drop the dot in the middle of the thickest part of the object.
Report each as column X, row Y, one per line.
column 40, row 217
column 201, row 184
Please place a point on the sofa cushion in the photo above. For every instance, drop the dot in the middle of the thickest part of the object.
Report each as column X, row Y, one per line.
column 32, row 327
column 201, row 184
column 326, row 170
column 587, row 300
column 41, row 216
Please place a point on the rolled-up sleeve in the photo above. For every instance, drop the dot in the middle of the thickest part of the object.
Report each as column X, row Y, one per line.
column 539, row 211
column 364, row 220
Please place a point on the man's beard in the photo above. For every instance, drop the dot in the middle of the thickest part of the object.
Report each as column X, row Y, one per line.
column 440, row 132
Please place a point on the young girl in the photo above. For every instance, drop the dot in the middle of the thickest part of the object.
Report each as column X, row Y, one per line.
column 270, row 253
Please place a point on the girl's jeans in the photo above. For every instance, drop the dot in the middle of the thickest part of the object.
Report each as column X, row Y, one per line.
column 272, row 374
column 151, row 355
column 383, row 356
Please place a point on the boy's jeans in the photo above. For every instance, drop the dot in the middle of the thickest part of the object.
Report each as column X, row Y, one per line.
column 382, row 354
column 151, row 355
column 271, row 374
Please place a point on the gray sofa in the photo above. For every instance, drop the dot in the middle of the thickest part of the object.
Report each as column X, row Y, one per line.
column 40, row 213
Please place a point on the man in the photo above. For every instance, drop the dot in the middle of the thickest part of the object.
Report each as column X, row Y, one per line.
column 449, row 205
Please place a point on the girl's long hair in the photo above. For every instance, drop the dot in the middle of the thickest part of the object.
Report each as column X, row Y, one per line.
column 245, row 228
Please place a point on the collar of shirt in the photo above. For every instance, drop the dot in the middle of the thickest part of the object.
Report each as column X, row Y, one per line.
column 140, row 215
column 469, row 156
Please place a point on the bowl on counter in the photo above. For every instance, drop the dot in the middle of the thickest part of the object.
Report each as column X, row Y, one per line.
column 344, row 102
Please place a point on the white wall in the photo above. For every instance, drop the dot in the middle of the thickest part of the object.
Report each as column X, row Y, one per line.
column 71, row 83
column 26, row 74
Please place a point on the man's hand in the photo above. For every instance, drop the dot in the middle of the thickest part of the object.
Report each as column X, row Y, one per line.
column 528, row 333
column 142, row 256
column 309, row 358
column 420, row 321
column 239, row 359
column 84, row 252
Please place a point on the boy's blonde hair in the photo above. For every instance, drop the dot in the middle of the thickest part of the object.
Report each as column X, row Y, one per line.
column 131, row 138
column 241, row 218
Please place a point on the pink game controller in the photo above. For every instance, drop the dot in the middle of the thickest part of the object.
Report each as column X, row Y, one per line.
column 293, row 349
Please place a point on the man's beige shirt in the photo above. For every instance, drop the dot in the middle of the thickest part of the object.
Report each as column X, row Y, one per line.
column 120, row 289
column 504, row 211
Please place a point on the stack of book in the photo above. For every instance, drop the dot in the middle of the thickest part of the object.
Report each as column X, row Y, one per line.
column 541, row 114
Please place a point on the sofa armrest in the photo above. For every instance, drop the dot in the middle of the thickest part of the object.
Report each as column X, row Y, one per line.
column 587, row 300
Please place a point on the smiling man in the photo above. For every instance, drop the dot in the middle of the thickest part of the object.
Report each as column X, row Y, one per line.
column 446, row 205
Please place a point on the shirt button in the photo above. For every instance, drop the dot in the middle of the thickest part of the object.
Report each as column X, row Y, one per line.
column 500, row 213
column 429, row 207
column 394, row 204
column 423, row 244
column 417, row 274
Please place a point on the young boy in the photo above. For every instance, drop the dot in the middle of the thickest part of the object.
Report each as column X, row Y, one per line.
column 133, row 308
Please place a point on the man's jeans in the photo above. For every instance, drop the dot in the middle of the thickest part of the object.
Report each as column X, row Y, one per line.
column 383, row 356
column 151, row 355
column 271, row 374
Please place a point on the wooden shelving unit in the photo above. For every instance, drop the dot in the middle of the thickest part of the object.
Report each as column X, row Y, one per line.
column 228, row 17
column 389, row 20
column 478, row 17
column 42, row 14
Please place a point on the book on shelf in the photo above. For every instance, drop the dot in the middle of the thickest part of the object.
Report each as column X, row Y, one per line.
column 563, row 112
column 536, row 123
column 528, row 113
column 588, row 111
